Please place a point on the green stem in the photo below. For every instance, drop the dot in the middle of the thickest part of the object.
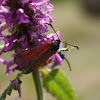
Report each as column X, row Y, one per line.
column 36, row 78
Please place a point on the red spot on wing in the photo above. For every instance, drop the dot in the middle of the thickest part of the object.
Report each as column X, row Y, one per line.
column 43, row 49
column 27, row 55
column 36, row 51
column 43, row 61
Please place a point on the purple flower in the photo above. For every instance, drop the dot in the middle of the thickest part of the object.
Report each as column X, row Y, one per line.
column 26, row 23
column 3, row 26
column 1, row 1
column 21, row 16
column 23, row 41
column 9, row 18
column 17, row 82
column 24, row 1
column 57, row 60
column 8, row 64
column 9, row 42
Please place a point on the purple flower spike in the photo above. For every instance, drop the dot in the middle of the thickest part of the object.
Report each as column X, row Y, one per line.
column 24, row 1
column 1, row 1
column 48, row 5
column 17, row 82
column 8, row 64
column 15, row 68
column 25, row 21
column 23, row 41
column 21, row 16
column 8, row 18
column 3, row 26
column 37, row 1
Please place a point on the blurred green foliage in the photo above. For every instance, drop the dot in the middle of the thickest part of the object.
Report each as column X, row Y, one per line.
column 56, row 83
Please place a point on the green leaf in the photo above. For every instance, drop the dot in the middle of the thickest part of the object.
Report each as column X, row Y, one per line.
column 8, row 91
column 14, row 88
column 57, row 84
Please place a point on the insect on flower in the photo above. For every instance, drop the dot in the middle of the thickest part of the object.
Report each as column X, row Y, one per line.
column 35, row 57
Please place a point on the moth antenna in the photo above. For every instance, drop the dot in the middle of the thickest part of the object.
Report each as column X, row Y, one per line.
column 70, row 45
column 68, row 63
column 53, row 29
column 74, row 46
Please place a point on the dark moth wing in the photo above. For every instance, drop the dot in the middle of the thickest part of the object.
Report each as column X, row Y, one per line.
column 23, row 58
column 33, row 58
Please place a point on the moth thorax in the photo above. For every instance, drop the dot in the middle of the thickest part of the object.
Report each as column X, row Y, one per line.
column 55, row 44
